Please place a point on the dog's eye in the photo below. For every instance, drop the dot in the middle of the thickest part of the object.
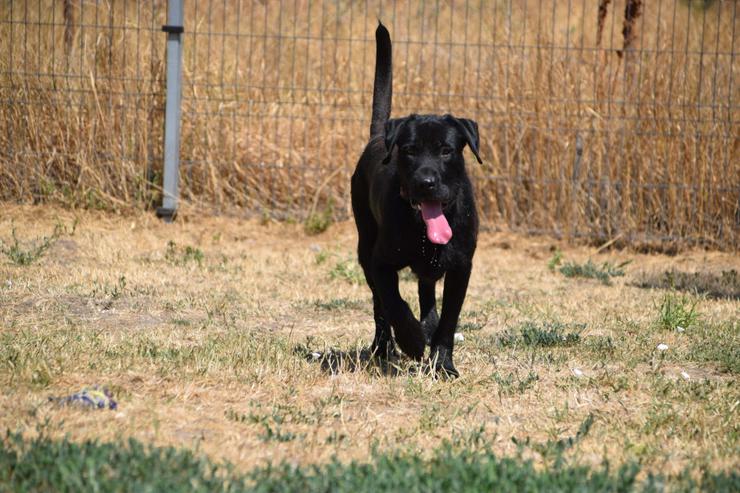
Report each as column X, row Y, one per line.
column 445, row 151
column 409, row 150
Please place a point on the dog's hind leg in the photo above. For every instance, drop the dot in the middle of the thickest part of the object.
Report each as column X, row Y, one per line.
column 428, row 305
column 406, row 328
column 367, row 232
column 456, row 285
column 383, row 345
column 383, row 342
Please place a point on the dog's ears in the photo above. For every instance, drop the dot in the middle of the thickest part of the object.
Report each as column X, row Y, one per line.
column 469, row 129
column 392, row 129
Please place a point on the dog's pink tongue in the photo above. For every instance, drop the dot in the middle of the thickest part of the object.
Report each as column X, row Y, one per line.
column 438, row 229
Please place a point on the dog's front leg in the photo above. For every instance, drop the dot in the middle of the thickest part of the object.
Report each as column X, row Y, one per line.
column 427, row 303
column 443, row 340
column 406, row 328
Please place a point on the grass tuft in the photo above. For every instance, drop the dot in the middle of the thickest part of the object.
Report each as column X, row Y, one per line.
column 547, row 334
column 676, row 312
column 183, row 256
column 603, row 272
column 553, row 449
column 337, row 304
column 347, row 270
column 512, row 384
column 318, row 222
column 23, row 255
column 725, row 285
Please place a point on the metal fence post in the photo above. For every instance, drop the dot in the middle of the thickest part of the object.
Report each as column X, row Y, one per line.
column 174, row 29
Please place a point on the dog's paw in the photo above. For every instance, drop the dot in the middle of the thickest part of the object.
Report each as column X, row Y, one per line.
column 384, row 349
column 440, row 360
column 412, row 345
column 446, row 371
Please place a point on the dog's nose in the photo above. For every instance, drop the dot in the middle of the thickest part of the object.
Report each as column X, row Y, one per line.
column 428, row 183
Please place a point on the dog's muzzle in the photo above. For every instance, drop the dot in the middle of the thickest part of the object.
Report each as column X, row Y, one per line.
column 438, row 229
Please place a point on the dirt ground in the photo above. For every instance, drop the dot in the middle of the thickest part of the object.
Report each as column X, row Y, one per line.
column 243, row 340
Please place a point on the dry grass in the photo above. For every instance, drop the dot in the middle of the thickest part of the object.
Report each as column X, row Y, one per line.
column 616, row 120
column 209, row 347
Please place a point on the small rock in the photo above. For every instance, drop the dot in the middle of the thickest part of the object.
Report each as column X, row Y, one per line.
column 315, row 356
column 680, row 329
column 577, row 372
column 459, row 338
column 662, row 347
column 685, row 375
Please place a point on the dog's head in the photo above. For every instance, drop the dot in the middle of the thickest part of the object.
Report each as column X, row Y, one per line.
column 430, row 155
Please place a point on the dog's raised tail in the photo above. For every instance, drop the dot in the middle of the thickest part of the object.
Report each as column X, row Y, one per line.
column 383, row 86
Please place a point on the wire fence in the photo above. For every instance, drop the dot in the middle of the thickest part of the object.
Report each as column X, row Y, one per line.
column 80, row 117
column 599, row 119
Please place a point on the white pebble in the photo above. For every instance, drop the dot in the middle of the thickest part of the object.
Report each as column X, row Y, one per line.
column 679, row 329
column 662, row 347
column 577, row 372
column 315, row 355
column 459, row 338
column 685, row 375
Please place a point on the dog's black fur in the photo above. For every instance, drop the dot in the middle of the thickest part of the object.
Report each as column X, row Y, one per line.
column 407, row 161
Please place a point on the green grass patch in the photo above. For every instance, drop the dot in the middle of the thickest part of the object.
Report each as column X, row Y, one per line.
column 337, row 304
column 108, row 293
column 676, row 312
column 553, row 449
column 718, row 344
column 318, row 222
column 285, row 413
column 602, row 346
column 42, row 464
column 177, row 255
column 26, row 253
column 513, row 384
column 555, row 260
column 723, row 285
column 347, row 270
column 603, row 272
column 546, row 334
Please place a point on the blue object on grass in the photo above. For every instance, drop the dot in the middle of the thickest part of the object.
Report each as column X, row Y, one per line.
column 92, row 397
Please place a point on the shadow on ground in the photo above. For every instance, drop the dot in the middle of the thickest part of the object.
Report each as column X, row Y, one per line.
column 334, row 361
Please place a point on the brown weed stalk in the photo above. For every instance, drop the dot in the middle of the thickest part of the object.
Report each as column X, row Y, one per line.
column 68, row 25
column 600, row 19
column 632, row 10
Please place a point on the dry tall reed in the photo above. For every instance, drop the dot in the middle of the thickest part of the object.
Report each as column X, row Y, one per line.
column 586, row 130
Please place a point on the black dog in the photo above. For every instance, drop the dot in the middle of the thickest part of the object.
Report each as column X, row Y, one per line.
column 413, row 206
